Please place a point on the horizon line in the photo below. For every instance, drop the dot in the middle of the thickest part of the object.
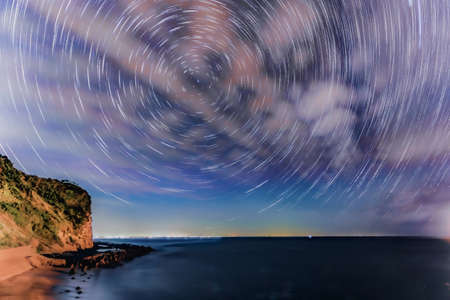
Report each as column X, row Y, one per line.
column 273, row 236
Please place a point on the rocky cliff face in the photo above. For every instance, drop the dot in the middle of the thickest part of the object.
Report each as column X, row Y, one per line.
column 52, row 215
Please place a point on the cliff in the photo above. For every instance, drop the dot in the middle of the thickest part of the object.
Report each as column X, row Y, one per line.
column 51, row 215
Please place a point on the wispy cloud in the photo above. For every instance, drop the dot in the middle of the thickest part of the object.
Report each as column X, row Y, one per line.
column 185, row 97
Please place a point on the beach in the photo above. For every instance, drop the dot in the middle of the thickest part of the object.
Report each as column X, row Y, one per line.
column 24, row 276
column 35, row 284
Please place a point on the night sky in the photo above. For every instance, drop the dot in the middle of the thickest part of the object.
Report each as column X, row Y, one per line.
column 234, row 117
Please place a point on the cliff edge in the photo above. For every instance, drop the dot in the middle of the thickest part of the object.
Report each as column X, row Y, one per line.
column 48, row 214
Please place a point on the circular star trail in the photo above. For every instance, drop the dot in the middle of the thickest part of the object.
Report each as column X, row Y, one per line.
column 333, row 107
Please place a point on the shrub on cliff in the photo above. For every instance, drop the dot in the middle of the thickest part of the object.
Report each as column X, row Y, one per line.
column 41, row 206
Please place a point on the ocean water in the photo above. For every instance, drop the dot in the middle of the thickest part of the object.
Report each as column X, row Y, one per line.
column 275, row 268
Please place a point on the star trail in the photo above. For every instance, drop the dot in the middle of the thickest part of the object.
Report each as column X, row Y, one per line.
column 222, row 117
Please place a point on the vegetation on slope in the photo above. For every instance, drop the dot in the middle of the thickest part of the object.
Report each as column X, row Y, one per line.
column 39, row 205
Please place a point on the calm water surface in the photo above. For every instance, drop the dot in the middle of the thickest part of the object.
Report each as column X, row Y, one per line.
column 275, row 268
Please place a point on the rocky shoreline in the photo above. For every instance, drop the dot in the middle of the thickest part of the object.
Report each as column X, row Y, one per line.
column 46, row 231
column 28, row 275
column 102, row 255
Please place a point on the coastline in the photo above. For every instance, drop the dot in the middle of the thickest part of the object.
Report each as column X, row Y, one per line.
column 24, row 274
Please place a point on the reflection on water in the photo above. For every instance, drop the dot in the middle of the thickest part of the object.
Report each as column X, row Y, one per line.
column 276, row 268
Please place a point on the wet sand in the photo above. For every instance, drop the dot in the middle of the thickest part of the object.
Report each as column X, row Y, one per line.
column 36, row 284
column 22, row 275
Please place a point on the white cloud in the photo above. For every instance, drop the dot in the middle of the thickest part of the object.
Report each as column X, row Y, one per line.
column 322, row 97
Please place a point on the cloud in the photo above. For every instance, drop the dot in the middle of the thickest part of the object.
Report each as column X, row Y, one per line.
column 322, row 98
column 413, row 146
column 427, row 209
column 340, row 120
column 141, row 93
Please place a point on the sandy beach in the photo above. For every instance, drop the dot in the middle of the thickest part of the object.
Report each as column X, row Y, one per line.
column 22, row 275
column 35, row 284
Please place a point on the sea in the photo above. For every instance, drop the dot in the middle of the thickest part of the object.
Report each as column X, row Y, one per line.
column 273, row 268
